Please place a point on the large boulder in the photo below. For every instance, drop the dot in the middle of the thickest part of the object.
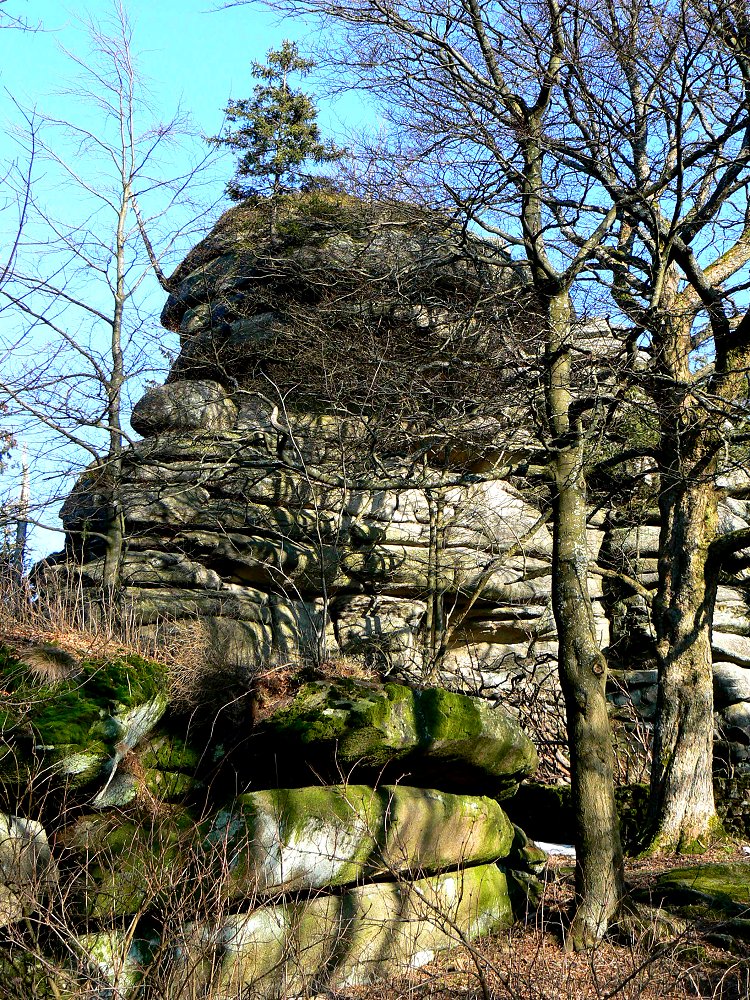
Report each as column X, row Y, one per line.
column 332, row 942
column 316, row 837
column 723, row 887
column 277, row 502
column 184, row 406
column 430, row 737
column 80, row 725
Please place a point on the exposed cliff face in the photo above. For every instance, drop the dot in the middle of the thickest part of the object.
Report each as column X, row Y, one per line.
column 320, row 472
column 334, row 464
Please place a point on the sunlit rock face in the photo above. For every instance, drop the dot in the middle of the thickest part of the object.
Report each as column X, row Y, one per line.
column 325, row 470
column 342, row 461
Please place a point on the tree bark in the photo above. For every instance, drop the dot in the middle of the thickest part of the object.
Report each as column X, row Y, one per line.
column 582, row 666
column 682, row 810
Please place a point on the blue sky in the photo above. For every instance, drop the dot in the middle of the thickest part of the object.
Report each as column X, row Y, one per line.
column 191, row 54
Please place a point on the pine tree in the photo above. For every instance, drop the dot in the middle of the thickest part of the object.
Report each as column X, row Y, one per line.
column 277, row 131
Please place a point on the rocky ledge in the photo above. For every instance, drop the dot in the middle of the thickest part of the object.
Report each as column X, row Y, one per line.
column 339, row 465
column 156, row 846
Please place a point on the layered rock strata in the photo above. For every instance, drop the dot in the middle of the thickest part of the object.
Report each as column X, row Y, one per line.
column 273, row 501
column 157, row 877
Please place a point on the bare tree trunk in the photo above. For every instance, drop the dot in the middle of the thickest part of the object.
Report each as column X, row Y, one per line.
column 582, row 666
column 22, row 519
column 433, row 626
column 682, row 810
column 115, row 543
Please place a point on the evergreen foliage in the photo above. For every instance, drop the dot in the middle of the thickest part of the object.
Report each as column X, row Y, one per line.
column 276, row 131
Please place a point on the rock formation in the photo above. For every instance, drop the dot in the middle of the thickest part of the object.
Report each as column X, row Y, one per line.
column 177, row 863
column 339, row 464
column 363, row 522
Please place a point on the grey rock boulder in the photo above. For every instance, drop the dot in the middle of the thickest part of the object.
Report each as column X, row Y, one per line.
column 333, row 942
column 27, row 869
column 731, row 684
column 184, row 406
column 429, row 737
column 316, row 837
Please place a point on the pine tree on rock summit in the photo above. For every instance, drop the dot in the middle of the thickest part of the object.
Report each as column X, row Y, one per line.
column 276, row 132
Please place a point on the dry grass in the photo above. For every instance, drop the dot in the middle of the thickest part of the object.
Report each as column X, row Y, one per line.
column 64, row 620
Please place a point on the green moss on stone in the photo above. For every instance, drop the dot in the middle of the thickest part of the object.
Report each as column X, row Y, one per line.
column 464, row 744
column 77, row 713
column 444, row 715
column 723, row 886
column 295, row 806
column 169, row 752
column 126, row 863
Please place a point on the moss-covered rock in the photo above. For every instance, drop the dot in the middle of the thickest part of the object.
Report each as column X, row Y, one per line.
column 120, row 865
column 26, row 974
column 78, row 727
column 311, row 838
column 334, row 942
column 170, row 752
column 524, row 854
column 723, row 887
column 114, row 961
column 433, row 738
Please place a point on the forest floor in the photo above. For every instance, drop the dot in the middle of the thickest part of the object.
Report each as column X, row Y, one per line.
column 529, row 961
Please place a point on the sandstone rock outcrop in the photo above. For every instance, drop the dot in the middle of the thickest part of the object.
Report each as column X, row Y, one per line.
column 429, row 737
column 175, row 860
column 377, row 520
column 337, row 466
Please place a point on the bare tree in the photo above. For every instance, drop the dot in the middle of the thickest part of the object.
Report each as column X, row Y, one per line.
column 658, row 102
column 611, row 141
column 473, row 92
column 11, row 17
column 77, row 279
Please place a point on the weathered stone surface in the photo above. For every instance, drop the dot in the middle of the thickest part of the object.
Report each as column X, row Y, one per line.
column 640, row 541
column 430, row 737
column 731, row 648
column 257, row 494
column 731, row 684
column 315, row 837
column 334, row 942
column 184, row 406
column 732, row 613
column 157, row 569
column 27, row 869
column 724, row 886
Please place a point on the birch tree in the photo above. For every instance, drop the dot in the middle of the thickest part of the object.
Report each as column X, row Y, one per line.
column 76, row 285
